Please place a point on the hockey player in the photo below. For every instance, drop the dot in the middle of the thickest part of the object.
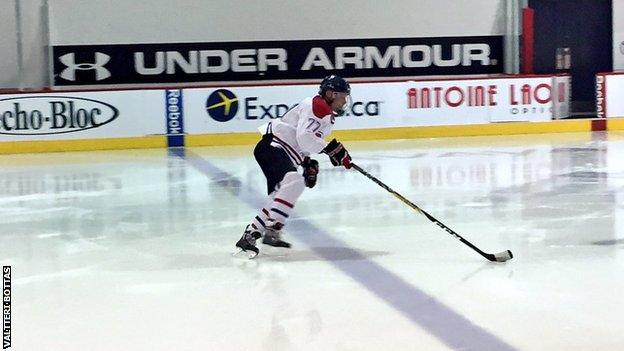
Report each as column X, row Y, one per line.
column 288, row 143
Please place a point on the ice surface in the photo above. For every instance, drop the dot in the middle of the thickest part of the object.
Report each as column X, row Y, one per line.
column 130, row 250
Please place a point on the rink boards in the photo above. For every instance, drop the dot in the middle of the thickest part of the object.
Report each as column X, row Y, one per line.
column 228, row 115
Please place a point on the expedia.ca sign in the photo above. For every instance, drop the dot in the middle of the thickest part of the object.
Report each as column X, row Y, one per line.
column 275, row 60
column 223, row 105
column 47, row 114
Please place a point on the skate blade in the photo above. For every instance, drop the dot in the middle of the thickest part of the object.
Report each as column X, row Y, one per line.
column 250, row 254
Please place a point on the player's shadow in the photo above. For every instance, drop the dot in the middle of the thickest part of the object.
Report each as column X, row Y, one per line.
column 268, row 254
column 319, row 254
column 608, row 242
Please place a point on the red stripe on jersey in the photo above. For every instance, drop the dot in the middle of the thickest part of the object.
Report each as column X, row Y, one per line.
column 277, row 199
column 264, row 210
column 320, row 107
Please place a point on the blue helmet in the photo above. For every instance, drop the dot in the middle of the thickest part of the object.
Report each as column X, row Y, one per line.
column 334, row 83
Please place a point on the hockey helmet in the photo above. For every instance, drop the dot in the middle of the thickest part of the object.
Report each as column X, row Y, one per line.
column 334, row 83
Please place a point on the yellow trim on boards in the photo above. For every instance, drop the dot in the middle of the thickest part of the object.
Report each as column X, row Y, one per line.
column 222, row 139
column 615, row 123
column 509, row 128
column 20, row 147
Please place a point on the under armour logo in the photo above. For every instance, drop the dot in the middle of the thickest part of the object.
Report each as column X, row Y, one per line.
column 69, row 60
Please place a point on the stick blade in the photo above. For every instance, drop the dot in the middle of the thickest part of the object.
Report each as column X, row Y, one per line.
column 503, row 256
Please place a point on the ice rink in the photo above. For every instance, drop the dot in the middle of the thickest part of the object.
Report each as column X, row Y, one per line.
column 131, row 250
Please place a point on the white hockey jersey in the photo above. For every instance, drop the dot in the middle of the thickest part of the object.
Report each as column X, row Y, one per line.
column 301, row 130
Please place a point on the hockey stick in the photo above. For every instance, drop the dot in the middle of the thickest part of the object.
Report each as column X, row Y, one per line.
column 498, row 257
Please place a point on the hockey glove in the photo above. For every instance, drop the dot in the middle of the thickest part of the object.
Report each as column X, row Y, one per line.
column 338, row 155
column 310, row 171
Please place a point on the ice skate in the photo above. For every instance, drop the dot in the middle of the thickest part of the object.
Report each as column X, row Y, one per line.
column 247, row 242
column 272, row 235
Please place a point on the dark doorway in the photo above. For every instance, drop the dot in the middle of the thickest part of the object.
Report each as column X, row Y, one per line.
column 586, row 28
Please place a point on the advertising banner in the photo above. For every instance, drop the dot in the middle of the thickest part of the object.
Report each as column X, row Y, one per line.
column 81, row 115
column 385, row 105
column 609, row 92
column 275, row 60
column 454, row 102
column 244, row 109
column 178, row 112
